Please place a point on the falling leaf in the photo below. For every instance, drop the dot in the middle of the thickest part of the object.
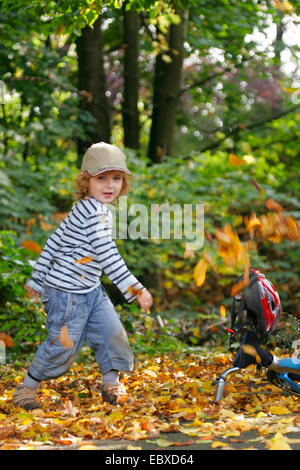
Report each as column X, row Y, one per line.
column 290, row 90
column 7, row 340
column 222, row 311
column 237, row 288
column 200, row 272
column 134, row 290
column 236, row 161
column 252, row 222
column 273, row 205
column 230, row 247
column 65, row 339
column 32, row 246
column 85, row 260
column 249, row 349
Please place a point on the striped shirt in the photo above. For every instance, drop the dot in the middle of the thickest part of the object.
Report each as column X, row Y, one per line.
column 80, row 250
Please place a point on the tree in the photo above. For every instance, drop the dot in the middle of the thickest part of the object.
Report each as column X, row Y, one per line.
column 92, row 84
column 167, row 86
column 131, row 78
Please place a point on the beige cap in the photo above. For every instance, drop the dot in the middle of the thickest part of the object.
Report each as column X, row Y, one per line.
column 103, row 157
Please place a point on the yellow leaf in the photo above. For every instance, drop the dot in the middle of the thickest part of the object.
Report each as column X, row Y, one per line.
column 216, row 444
column 253, row 222
column 236, row 161
column 279, row 410
column 200, row 272
column 115, row 416
column 278, row 442
column 290, row 90
column 222, row 311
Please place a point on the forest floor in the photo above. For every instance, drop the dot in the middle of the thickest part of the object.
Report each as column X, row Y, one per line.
column 173, row 409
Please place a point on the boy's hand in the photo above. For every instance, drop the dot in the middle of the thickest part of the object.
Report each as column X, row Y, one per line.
column 33, row 294
column 145, row 300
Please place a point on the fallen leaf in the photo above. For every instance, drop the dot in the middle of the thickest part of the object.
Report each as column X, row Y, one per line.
column 278, row 442
column 88, row 447
column 216, row 444
column 185, row 443
column 279, row 410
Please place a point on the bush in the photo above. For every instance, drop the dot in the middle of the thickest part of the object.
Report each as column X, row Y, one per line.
column 20, row 318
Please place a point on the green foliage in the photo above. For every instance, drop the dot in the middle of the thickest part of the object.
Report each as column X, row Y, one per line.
column 20, row 318
column 14, row 268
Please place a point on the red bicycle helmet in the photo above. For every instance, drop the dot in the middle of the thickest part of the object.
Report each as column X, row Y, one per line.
column 262, row 304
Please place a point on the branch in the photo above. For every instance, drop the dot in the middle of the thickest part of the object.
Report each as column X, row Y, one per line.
column 240, row 128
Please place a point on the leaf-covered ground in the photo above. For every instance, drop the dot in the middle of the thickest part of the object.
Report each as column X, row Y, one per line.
column 170, row 394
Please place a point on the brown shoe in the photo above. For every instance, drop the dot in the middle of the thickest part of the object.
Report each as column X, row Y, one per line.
column 115, row 394
column 25, row 398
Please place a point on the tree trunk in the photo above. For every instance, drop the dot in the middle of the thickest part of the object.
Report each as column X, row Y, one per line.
column 131, row 79
column 166, row 94
column 92, row 85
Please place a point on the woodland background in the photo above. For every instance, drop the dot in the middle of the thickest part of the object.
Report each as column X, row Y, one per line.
column 203, row 98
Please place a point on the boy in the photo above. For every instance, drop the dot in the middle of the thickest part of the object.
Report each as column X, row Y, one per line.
column 67, row 276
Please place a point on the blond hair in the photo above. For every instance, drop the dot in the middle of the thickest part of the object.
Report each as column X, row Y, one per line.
column 82, row 184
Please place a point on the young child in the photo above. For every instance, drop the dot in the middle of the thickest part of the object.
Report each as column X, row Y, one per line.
column 67, row 276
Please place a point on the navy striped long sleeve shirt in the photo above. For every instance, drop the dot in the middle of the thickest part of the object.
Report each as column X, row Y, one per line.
column 80, row 250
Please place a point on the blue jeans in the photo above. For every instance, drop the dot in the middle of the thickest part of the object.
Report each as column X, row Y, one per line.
column 90, row 317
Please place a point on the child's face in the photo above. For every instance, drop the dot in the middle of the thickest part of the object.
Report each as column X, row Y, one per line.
column 107, row 186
